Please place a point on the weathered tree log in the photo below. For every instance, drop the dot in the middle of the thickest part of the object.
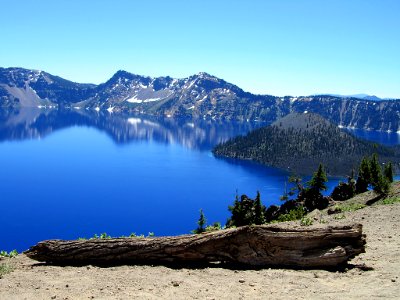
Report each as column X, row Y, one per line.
column 249, row 245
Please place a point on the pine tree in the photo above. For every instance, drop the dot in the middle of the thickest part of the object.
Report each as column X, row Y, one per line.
column 364, row 176
column 201, row 223
column 258, row 210
column 382, row 186
column 389, row 171
column 345, row 191
column 319, row 179
column 236, row 211
column 297, row 188
column 375, row 169
column 312, row 196
column 246, row 211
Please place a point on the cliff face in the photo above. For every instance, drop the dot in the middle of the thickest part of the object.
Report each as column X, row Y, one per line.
column 198, row 96
column 363, row 114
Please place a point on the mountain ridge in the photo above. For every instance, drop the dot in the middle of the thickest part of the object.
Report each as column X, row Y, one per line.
column 198, row 96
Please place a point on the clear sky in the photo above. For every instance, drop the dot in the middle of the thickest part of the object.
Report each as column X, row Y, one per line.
column 278, row 47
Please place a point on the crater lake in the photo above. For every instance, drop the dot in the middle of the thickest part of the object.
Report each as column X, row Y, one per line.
column 76, row 173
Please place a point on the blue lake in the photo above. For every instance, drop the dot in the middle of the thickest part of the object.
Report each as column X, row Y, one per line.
column 73, row 174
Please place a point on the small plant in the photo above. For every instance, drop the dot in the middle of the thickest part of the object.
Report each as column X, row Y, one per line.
column 306, row 221
column 391, row 200
column 201, row 223
column 340, row 217
column 151, row 234
column 322, row 221
column 105, row 236
column 5, row 269
column 352, row 207
column 134, row 235
column 294, row 214
column 11, row 254
column 215, row 226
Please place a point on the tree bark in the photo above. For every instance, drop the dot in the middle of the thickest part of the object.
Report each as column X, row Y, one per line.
column 249, row 245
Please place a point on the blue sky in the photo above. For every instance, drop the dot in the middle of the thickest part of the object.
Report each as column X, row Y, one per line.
column 278, row 47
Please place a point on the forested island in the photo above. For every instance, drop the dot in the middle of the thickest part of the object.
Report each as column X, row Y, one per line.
column 298, row 143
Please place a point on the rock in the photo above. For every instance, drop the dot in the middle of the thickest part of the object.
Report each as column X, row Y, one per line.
column 334, row 210
column 175, row 283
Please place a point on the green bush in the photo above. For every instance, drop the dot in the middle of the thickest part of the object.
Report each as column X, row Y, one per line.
column 246, row 211
column 134, row 235
column 306, row 221
column 339, row 217
column 11, row 254
column 5, row 269
column 105, row 236
column 215, row 226
column 294, row 214
column 351, row 207
column 391, row 200
column 344, row 191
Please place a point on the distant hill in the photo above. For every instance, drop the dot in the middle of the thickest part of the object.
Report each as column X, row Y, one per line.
column 198, row 96
column 297, row 143
column 360, row 96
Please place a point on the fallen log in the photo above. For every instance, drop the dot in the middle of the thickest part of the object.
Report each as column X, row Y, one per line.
column 249, row 245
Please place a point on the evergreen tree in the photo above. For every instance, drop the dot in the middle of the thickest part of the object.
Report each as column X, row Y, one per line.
column 389, row 171
column 375, row 170
column 258, row 210
column 370, row 174
column 201, row 223
column 298, row 187
column 313, row 197
column 382, row 186
column 236, row 211
column 364, row 176
column 319, row 180
column 344, row 191
column 246, row 211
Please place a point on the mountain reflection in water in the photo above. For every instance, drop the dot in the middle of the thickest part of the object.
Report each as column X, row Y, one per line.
column 122, row 129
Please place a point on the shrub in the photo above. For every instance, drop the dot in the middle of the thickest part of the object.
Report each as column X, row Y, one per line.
column 5, row 269
column 351, row 207
column 11, row 254
column 339, row 217
column 215, row 226
column 246, row 211
column 105, row 236
column 306, row 221
column 271, row 213
column 294, row 214
column 344, row 191
column 391, row 200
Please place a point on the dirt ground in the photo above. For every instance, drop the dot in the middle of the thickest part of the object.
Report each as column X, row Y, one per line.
column 375, row 274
